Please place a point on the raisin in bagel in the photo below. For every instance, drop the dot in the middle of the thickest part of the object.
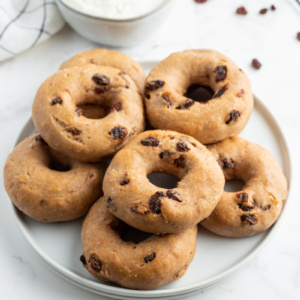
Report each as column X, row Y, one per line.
column 48, row 186
column 61, row 116
column 112, row 58
column 223, row 116
column 109, row 255
column 132, row 198
column 258, row 205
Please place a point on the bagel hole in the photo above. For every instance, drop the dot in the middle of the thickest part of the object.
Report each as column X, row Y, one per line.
column 163, row 180
column 199, row 93
column 130, row 234
column 58, row 166
column 94, row 111
column 235, row 185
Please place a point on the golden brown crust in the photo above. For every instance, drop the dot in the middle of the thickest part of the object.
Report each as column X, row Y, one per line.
column 45, row 194
column 146, row 265
column 112, row 58
column 223, row 116
column 259, row 204
column 60, row 115
column 139, row 203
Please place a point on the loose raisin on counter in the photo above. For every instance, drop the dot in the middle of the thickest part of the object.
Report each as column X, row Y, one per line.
column 221, row 72
column 150, row 257
column 263, row 11
column 256, row 64
column 298, row 36
column 241, row 10
column 154, row 85
column 101, row 79
column 95, row 263
column 118, row 133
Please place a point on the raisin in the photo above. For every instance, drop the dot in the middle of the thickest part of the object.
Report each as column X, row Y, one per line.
column 241, row 11
column 95, row 263
column 263, row 11
column 267, row 207
column 242, row 196
column 220, row 92
column 125, row 180
column 273, row 7
column 126, row 86
column 200, row 1
column 256, row 64
column 109, row 202
column 150, row 141
column 172, row 195
column 91, row 175
column 180, row 161
column 78, row 111
column 167, row 99
column 150, row 257
column 298, row 36
column 233, row 116
column 118, row 133
column 100, row 90
column 57, row 100
column 83, row 260
column 165, row 153
column 250, row 218
column 240, row 93
column 140, row 210
column 39, row 138
column 154, row 85
column 188, row 103
column 101, row 79
column 225, row 162
column 244, row 207
column 122, row 73
column 221, row 72
column 117, row 106
column 182, row 147
column 75, row 131
column 147, row 95
column 155, row 202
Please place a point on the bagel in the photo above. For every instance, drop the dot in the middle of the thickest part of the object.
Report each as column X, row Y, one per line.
column 259, row 204
column 48, row 186
column 147, row 264
column 111, row 58
column 58, row 111
column 169, row 107
column 132, row 198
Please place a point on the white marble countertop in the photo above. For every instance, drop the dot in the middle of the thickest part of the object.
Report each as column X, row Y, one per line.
column 275, row 272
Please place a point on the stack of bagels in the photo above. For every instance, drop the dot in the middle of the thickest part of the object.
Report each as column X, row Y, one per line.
column 91, row 157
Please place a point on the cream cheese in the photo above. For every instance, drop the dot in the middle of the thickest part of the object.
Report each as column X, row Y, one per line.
column 115, row 9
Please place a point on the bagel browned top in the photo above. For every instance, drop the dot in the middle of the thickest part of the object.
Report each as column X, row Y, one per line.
column 58, row 111
column 131, row 197
column 259, row 204
column 48, row 186
column 223, row 116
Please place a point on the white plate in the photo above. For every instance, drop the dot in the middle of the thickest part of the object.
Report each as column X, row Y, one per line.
column 59, row 244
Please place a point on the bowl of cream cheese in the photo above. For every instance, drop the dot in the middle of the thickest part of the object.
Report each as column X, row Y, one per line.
column 115, row 22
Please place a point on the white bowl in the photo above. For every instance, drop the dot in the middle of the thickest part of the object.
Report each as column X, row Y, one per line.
column 115, row 32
